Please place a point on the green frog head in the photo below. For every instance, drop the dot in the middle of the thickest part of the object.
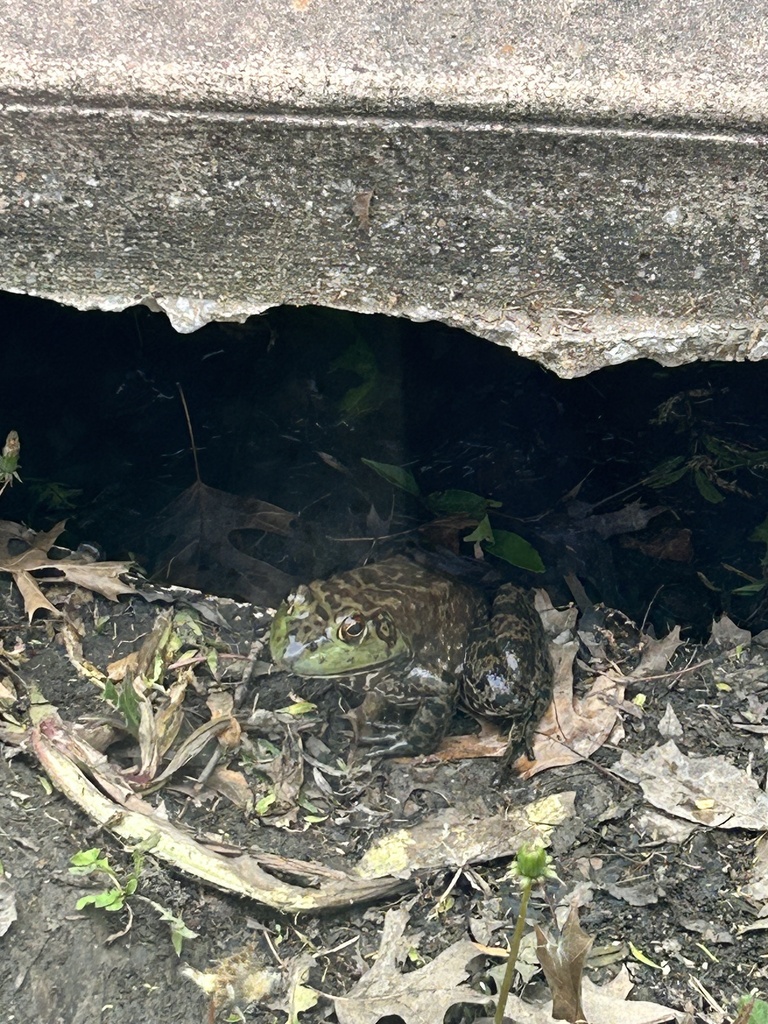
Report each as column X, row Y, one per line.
column 319, row 632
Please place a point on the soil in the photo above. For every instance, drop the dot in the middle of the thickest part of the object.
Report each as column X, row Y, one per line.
column 673, row 911
column 677, row 902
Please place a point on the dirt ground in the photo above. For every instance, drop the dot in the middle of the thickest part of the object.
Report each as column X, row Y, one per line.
column 672, row 911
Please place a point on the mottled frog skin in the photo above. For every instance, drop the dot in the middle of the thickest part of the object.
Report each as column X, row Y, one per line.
column 417, row 642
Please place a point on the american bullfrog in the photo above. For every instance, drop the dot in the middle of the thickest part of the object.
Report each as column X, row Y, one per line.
column 416, row 642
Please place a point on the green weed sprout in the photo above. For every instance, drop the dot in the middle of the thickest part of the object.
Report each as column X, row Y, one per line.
column 533, row 866
column 116, row 892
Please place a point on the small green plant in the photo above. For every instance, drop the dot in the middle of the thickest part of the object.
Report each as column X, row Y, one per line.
column 755, row 586
column 113, row 896
column 709, row 460
column 9, row 461
column 533, row 867
column 117, row 891
column 509, row 547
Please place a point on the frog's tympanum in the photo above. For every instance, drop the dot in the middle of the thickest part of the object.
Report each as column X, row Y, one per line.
column 416, row 642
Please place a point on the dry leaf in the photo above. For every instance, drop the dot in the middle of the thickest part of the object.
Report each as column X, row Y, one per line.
column 170, row 716
column 670, row 727
column 562, row 960
column 708, row 790
column 221, row 704
column 672, row 544
column 452, row 839
column 757, row 886
column 657, row 654
column 7, row 904
column 233, row 786
column 203, row 556
column 419, row 997
column 604, row 1004
column 726, row 633
column 573, row 728
column 101, row 577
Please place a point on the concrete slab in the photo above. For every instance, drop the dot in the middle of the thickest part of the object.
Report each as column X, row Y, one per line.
column 584, row 182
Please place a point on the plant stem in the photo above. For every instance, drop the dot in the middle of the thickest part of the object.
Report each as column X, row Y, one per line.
column 514, row 949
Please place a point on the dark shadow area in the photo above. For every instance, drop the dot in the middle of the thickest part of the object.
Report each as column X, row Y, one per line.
column 643, row 483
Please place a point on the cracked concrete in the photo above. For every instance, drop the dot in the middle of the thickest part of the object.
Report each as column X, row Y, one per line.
column 583, row 182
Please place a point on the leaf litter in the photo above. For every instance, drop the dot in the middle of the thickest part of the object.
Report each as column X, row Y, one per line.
column 450, row 840
column 26, row 556
column 420, row 996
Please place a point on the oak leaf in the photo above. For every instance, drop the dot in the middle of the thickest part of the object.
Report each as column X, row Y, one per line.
column 201, row 552
column 419, row 997
column 26, row 555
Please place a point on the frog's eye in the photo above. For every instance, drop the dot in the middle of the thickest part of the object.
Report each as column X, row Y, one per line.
column 352, row 629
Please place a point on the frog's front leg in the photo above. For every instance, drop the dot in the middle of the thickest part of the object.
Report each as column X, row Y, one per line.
column 406, row 715
column 508, row 672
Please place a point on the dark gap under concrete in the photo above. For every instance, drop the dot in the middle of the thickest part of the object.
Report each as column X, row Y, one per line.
column 286, row 406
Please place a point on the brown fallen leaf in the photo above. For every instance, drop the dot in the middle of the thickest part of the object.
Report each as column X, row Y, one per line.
column 710, row 791
column 233, row 786
column 33, row 565
column 7, row 904
column 202, row 555
column 562, row 960
column 657, row 654
column 418, row 997
column 573, row 728
column 452, row 838
column 603, row 1004
column 671, row 544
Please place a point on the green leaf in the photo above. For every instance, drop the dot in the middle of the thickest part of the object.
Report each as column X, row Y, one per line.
column 750, row 588
column 395, row 475
column 707, row 489
column 482, row 532
column 667, row 472
column 731, row 455
column 263, row 805
column 179, row 932
column 304, row 998
column 516, row 550
column 109, row 899
column 457, row 502
column 363, row 399
column 85, row 901
column 370, row 394
column 90, row 859
column 759, row 1013
column 300, row 707
column 638, row 954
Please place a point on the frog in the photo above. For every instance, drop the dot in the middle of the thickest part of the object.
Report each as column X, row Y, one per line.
column 418, row 643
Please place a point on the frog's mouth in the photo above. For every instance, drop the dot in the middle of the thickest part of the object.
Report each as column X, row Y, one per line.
column 328, row 658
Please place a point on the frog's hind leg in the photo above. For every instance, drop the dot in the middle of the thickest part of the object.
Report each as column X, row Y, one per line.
column 508, row 671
